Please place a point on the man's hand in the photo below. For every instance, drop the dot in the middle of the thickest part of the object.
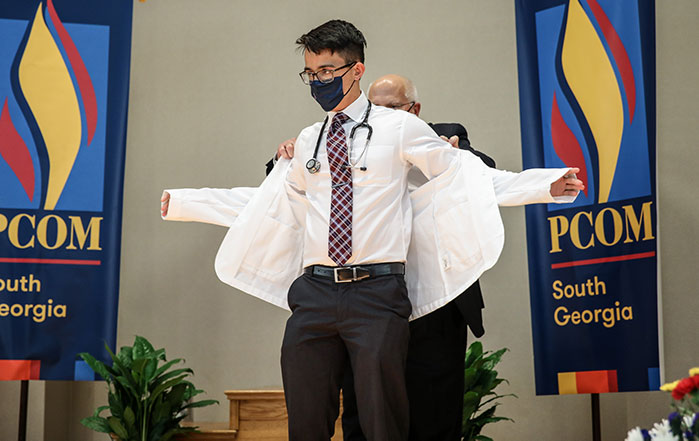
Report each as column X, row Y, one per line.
column 164, row 203
column 567, row 185
column 454, row 140
column 286, row 149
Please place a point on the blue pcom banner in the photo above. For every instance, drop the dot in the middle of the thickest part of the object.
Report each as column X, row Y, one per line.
column 587, row 96
column 64, row 80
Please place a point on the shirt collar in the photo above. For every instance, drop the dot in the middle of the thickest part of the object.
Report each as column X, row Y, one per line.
column 355, row 110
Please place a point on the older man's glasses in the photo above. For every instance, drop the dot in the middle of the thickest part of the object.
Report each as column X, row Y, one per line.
column 400, row 106
column 325, row 76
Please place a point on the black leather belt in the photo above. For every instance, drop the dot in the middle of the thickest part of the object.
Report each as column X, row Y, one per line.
column 344, row 274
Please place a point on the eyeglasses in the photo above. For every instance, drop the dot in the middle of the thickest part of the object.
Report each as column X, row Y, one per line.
column 325, row 76
column 398, row 106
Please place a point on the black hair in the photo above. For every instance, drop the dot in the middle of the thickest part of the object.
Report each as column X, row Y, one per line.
column 337, row 36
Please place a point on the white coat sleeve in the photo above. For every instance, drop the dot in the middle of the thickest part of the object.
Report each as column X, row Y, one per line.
column 531, row 186
column 421, row 146
column 218, row 206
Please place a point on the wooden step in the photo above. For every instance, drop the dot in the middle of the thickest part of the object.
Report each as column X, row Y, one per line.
column 208, row 432
column 260, row 415
column 254, row 415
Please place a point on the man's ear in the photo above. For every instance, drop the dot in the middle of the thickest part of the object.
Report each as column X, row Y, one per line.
column 358, row 70
column 416, row 109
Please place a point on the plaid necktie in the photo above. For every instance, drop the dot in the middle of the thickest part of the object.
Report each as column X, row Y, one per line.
column 340, row 230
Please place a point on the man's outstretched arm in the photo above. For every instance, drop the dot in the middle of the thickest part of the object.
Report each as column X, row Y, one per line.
column 218, row 206
column 423, row 149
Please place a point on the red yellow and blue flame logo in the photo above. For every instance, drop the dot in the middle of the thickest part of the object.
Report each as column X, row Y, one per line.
column 53, row 93
column 591, row 86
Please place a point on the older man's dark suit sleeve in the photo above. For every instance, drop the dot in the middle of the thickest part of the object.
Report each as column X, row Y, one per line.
column 269, row 166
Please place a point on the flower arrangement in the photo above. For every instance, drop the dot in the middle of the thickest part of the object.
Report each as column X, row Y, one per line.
column 683, row 423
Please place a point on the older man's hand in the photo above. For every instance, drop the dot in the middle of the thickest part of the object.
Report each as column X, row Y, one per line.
column 454, row 140
column 286, row 149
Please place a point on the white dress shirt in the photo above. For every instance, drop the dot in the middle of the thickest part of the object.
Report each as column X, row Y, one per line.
column 381, row 217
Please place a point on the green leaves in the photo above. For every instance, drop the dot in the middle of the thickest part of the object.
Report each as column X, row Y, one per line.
column 142, row 349
column 95, row 365
column 201, row 403
column 480, row 380
column 129, row 417
column 474, row 352
column 147, row 397
column 96, row 423
column 118, row 428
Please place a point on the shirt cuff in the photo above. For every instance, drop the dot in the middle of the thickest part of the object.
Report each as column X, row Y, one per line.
column 563, row 199
column 174, row 209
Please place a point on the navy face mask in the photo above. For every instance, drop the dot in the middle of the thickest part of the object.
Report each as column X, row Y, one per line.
column 330, row 94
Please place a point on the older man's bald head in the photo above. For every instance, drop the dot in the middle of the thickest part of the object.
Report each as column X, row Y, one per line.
column 396, row 92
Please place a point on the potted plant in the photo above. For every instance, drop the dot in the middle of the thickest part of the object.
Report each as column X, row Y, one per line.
column 148, row 395
column 480, row 380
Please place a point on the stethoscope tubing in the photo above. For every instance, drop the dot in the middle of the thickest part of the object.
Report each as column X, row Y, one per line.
column 313, row 165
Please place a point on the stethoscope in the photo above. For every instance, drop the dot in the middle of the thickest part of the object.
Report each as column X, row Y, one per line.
column 313, row 165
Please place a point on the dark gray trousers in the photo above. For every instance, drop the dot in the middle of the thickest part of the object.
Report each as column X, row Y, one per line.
column 366, row 321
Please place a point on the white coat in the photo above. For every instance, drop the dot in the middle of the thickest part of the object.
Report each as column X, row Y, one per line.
column 457, row 233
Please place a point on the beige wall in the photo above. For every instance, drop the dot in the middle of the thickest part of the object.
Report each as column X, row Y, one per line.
column 213, row 91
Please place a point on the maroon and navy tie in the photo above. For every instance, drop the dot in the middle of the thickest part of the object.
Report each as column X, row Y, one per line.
column 340, row 231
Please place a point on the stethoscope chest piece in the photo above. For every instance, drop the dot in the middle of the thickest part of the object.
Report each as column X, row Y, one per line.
column 313, row 166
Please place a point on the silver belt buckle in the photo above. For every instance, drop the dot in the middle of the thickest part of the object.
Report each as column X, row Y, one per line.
column 354, row 278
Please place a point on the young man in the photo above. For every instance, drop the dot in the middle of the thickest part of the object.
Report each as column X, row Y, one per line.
column 340, row 213
column 435, row 363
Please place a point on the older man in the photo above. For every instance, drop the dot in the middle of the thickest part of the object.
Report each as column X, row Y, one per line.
column 434, row 371
column 435, row 366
